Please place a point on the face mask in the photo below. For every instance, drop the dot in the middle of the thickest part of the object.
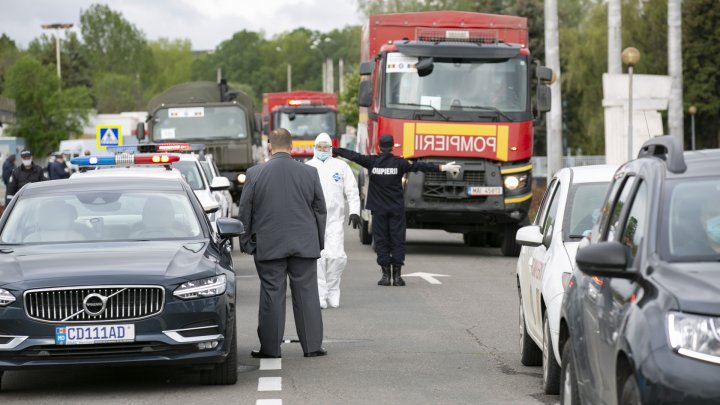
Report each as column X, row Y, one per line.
column 322, row 155
column 712, row 228
column 27, row 162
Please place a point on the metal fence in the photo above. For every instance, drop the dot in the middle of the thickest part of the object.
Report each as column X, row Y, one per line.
column 540, row 165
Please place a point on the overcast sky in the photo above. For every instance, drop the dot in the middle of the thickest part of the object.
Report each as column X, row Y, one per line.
column 205, row 22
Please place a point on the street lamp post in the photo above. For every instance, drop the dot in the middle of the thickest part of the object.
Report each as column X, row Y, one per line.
column 289, row 70
column 57, row 27
column 630, row 57
column 692, row 110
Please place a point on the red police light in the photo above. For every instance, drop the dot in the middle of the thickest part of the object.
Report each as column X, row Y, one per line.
column 155, row 159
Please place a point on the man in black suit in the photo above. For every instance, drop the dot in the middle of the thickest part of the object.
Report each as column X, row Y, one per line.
column 283, row 209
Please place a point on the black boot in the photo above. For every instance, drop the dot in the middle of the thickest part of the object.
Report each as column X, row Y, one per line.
column 385, row 280
column 397, row 280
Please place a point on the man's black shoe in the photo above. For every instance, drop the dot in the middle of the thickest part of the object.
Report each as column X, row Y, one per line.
column 260, row 355
column 321, row 352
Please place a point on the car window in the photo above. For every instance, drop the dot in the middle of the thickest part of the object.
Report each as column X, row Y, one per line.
column 614, row 218
column 207, row 170
column 582, row 208
column 91, row 216
column 544, row 204
column 690, row 229
column 550, row 218
column 191, row 174
column 634, row 229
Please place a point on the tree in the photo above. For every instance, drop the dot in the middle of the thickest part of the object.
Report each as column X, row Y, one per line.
column 45, row 115
column 115, row 93
column 347, row 102
column 173, row 62
column 114, row 45
column 701, row 57
column 9, row 54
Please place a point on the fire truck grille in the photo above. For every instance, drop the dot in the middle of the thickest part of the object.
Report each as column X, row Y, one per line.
column 436, row 187
column 68, row 305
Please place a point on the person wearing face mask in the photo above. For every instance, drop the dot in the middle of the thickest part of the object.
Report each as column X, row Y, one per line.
column 27, row 172
column 338, row 184
column 58, row 169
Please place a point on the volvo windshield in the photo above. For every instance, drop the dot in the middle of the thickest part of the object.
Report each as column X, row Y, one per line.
column 183, row 123
column 457, row 85
column 306, row 124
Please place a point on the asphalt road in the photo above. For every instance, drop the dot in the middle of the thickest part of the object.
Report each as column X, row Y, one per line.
column 448, row 343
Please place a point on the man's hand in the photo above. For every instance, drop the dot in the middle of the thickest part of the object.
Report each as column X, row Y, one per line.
column 451, row 167
column 354, row 221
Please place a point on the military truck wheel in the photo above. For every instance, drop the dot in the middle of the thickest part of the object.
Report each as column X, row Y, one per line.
column 508, row 246
column 365, row 235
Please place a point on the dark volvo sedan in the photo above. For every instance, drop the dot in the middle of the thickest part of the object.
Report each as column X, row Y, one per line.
column 114, row 271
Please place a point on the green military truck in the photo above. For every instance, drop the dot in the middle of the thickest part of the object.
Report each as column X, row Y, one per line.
column 213, row 114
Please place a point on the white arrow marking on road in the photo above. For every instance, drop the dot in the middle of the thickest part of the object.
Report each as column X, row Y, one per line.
column 429, row 277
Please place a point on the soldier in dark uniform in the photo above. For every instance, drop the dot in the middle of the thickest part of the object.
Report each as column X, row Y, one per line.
column 27, row 172
column 386, row 202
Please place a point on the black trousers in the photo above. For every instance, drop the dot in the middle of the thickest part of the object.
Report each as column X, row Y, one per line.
column 388, row 231
column 306, row 303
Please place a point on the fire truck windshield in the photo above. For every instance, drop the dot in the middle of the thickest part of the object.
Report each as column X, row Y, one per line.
column 200, row 122
column 306, row 124
column 457, row 85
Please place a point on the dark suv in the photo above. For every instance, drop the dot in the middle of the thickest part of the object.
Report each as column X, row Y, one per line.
column 640, row 322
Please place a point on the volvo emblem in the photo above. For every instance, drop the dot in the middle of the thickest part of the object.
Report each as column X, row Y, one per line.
column 94, row 304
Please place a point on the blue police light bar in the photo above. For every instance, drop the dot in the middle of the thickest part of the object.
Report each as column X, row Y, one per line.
column 124, row 159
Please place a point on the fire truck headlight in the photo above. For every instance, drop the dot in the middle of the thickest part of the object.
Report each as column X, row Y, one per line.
column 241, row 178
column 515, row 181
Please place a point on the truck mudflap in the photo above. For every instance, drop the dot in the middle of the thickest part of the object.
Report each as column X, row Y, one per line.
column 481, row 197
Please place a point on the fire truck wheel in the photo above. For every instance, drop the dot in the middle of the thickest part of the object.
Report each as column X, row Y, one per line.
column 508, row 247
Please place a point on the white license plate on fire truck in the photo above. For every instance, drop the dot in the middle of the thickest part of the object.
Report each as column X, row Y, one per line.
column 479, row 191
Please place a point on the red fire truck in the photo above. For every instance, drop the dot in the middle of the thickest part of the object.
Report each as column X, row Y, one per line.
column 305, row 114
column 454, row 86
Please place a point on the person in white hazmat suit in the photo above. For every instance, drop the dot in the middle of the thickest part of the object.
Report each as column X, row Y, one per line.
column 338, row 184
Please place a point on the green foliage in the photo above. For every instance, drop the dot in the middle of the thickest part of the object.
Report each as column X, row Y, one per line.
column 701, row 76
column 347, row 102
column 114, row 45
column 115, row 93
column 45, row 115
column 9, row 54
column 173, row 63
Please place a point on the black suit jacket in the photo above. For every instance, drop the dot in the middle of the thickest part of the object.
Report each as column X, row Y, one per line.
column 283, row 210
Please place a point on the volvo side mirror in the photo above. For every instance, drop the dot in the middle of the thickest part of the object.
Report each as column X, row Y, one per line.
column 365, row 93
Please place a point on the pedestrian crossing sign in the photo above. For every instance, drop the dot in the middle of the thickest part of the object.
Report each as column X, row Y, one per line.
column 108, row 135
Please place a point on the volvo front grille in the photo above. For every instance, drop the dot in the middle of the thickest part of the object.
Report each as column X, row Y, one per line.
column 94, row 303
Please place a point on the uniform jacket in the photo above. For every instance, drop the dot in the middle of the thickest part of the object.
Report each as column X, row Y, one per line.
column 338, row 184
column 22, row 176
column 385, row 191
column 57, row 170
column 283, row 210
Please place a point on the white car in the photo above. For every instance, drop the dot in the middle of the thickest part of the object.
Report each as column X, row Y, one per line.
column 569, row 207
column 187, row 168
column 223, row 197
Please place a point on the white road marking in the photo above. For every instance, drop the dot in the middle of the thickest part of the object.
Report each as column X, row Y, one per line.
column 429, row 277
column 270, row 384
column 270, row 364
column 268, row 402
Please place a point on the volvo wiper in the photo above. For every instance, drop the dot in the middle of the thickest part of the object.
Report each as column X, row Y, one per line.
column 424, row 105
column 493, row 109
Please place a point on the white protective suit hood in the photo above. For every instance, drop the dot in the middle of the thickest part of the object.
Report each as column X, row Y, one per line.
column 323, row 137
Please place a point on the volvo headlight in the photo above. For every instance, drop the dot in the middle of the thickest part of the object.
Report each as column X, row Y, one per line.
column 241, row 178
column 207, row 287
column 6, row 298
column 695, row 336
column 515, row 181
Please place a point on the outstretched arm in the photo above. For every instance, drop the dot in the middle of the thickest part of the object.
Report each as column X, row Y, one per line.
column 362, row 160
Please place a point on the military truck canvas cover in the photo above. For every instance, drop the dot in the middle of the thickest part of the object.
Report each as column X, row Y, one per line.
column 196, row 92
